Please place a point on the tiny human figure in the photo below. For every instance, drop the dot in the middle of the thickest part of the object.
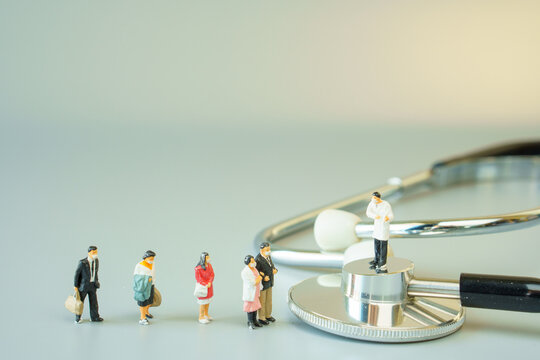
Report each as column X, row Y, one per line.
column 204, row 275
column 381, row 212
column 87, row 282
column 251, row 291
column 266, row 268
column 143, row 285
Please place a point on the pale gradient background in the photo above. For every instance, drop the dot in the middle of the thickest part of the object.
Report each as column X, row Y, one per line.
column 188, row 126
column 430, row 62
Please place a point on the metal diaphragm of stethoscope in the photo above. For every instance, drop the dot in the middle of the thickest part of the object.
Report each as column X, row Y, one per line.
column 394, row 306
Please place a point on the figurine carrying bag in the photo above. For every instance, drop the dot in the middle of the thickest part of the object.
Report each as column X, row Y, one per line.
column 201, row 291
column 74, row 304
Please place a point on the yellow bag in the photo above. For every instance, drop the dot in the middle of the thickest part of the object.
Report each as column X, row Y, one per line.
column 157, row 298
column 74, row 304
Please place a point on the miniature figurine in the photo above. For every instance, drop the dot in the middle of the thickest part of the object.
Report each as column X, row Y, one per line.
column 381, row 212
column 251, row 291
column 143, row 285
column 266, row 268
column 87, row 282
column 204, row 275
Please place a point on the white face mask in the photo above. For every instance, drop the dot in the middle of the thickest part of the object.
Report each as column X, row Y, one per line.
column 95, row 257
column 267, row 253
column 252, row 265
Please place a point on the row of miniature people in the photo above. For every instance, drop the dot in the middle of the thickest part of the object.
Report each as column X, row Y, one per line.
column 257, row 276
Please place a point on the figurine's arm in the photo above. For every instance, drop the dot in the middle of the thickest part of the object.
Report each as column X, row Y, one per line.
column 370, row 213
column 274, row 270
column 248, row 277
column 390, row 213
column 78, row 274
column 199, row 278
column 260, row 268
column 141, row 282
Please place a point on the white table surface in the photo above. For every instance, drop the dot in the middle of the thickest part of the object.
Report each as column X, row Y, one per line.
column 180, row 190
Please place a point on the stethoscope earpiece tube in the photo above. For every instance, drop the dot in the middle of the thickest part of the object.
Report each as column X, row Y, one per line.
column 500, row 292
column 514, row 161
column 531, row 148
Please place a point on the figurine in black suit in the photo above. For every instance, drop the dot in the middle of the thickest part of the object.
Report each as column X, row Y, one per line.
column 266, row 268
column 87, row 283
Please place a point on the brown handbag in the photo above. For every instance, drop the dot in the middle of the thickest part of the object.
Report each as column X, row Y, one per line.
column 157, row 298
column 74, row 304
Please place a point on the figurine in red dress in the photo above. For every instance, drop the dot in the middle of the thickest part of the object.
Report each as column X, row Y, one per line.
column 204, row 275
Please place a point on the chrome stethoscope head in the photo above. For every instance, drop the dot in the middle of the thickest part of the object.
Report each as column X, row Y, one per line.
column 362, row 304
column 393, row 306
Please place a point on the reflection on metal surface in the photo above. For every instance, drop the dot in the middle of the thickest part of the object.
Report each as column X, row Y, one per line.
column 362, row 304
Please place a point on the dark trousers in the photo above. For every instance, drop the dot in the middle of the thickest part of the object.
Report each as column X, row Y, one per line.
column 381, row 250
column 252, row 317
column 94, row 307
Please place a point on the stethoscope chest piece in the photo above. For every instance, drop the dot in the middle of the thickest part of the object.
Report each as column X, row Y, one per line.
column 365, row 304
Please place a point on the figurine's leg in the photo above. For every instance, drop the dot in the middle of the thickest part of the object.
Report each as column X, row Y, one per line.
column 251, row 320
column 82, row 295
column 384, row 252
column 206, row 307
column 268, row 310
column 201, row 312
column 143, row 312
column 94, row 307
column 377, row 248
column 262, row 299
column 375, row 251
column 255, row 321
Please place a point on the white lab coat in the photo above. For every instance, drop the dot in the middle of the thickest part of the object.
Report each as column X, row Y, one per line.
column 249, row 284
column 381, row 228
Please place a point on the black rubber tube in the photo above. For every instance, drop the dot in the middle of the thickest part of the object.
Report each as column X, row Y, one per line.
column 530, row 148
column 500, row 292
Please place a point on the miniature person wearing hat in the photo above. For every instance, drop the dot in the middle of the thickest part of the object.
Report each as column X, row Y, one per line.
column 266, row 268
column 86, row 283
column 381, row 212
column 143, row 285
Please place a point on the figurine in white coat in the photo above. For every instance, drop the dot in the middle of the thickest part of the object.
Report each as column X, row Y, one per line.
column 251, row 291
column 381, row 212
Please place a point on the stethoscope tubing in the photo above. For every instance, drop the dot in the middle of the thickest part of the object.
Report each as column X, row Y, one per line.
column 511, row 161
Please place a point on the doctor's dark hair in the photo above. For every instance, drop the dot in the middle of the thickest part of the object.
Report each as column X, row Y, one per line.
column 376, row 194
column 148, row 253
column 264, row 245
column 91, row 248
column 202, row 260
column 247, row 259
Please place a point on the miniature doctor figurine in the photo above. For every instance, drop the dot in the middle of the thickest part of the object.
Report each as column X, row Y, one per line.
column 143, row 285
column 266, row 268
column 87, row 283
column 251, row 291
column 381, row 212
column 204, row 275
